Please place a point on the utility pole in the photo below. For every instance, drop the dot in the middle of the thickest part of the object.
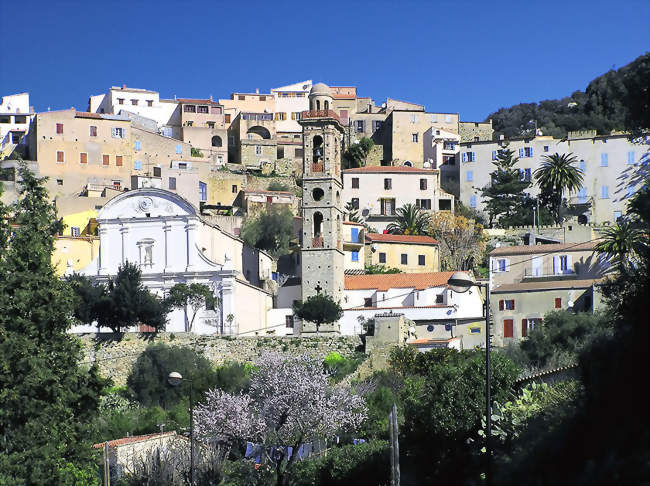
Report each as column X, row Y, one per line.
column 107, row 466
column 394, row 447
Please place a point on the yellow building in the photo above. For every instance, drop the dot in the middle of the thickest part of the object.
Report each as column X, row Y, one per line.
column 408, row 253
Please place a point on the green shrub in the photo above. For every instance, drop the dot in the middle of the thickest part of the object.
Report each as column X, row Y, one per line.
column 359, row 465
column 278, row 186
column 339, row 366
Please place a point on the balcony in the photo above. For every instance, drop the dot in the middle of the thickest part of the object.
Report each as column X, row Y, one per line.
column 317, row 242
column 317, row 167
column 532, row 275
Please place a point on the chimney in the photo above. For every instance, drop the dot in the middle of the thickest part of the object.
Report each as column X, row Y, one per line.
column 124, row 86
column 210, row 97
column 257, row 91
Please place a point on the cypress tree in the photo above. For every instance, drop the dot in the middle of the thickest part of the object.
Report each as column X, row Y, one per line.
column 47, row 400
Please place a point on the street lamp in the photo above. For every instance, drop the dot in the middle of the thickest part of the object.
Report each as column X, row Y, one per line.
column 461, row 282
column 175, row 379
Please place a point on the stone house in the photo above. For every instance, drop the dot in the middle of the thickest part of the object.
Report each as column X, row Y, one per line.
column 528, row 281
column 252, row 140
column 15, row 117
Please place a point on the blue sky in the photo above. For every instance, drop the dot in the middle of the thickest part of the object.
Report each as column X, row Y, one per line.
column 460, row 56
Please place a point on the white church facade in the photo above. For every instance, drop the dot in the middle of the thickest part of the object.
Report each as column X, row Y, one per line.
column 164, row 235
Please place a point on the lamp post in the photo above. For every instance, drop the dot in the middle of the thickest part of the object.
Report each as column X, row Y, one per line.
column 461, row 282
column 175, row 379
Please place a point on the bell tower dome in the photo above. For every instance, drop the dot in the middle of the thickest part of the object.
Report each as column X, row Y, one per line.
column 322, row 211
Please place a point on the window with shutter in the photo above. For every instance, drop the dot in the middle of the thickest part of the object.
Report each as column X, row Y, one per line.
column 508, row 328
column 118, row 160
column 501, row 305
column 83, row 158
column 59, row 128
column 388, row 184
column 524, row 327
column 382, row 257
column 404, row 259
column 106, row 159
column 423, row 184
column 60, row 156
column 558, row 302
column 93, row 131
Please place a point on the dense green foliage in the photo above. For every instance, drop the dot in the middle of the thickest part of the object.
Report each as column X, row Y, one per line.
column 355, row 155
column 506, row 200
column 278, row 186
column 121, row 303
column 443, row 400
column 339, row 367
column 47, row 400
column 616, row 100
column 319, row 309
column 148, row 384
column 561, row 339
column 270, row 231
column 366, row 464
column 378, row 268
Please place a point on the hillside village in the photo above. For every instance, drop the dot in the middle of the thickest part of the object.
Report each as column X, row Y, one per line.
column 169, row 184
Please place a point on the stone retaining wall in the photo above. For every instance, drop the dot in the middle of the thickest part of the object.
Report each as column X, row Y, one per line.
column 115, row 358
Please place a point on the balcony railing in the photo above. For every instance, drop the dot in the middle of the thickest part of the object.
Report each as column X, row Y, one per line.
column 317, row 167
column 317, row 242
column 320, row 114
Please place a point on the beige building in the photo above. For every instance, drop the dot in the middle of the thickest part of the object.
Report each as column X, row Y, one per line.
column 407, row 253
column 203, row 127
column 611, row 164
column 256, row 201
column 247, row 102
column 252, row 140
column 377, row 192
column 354, row 247
column 476, row 131
column 528, row 281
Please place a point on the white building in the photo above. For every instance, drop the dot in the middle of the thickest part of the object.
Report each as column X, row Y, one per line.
column 165, row 236
column 613, row 169
column 378, row 191
column 290, row 101
column 15, row 116
column 424, row 298
column 141, row 102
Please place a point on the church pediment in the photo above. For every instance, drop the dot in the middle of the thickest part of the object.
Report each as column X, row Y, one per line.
column 146, row 203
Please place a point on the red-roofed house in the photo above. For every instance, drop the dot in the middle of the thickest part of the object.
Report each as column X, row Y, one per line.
column 378, row 191
column 425, row 298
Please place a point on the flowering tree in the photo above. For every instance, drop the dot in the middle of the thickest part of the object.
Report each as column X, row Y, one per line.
column 462, row 241
column 291, row 401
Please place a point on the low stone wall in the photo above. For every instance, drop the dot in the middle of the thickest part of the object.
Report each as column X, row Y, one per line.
column 115, row 357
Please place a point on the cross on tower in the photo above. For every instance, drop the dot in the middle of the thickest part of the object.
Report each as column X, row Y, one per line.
column 318, row 288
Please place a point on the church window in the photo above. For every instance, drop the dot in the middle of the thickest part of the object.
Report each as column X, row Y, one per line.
column 172, row 183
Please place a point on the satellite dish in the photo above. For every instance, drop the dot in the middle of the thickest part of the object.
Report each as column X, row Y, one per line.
column 373, row 247
column 570, row 304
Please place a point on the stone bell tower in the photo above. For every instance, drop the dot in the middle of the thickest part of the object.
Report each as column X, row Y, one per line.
column 322, row 212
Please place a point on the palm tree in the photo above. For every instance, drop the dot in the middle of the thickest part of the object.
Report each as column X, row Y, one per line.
column 411, row 220
column 556, row 175
column 621, row 243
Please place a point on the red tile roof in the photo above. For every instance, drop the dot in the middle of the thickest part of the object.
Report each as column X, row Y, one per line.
column 352, row 223
column 539, row 249
column 382, row 169
column 383, row 282
column 133, row 439
column 413, row 239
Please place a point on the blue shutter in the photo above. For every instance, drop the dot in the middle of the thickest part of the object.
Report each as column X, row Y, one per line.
column 604, row 192
column 583, row 166
column 355, row 256
column 630, row 191
column 137, row 145
column 604, row 159
column 472, row 201
column 179, row 149
column 469, row 176
column 354, row 232
column 464, row 157
column 521, row 152
column 137, row 165
column 473, row 156
column 531, row 151
column 630, row 157
column 494, row 155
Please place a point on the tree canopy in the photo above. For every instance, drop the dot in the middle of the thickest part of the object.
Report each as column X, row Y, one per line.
column 462, row 241
column 557, row 175
column 356, row 154
column 319, row 309
column 411, row 220
column 191, row 298
column 270, row 231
